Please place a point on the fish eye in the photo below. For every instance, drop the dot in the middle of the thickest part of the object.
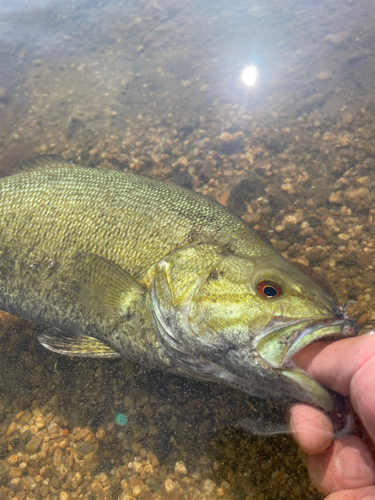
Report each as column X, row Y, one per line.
column 269, row 289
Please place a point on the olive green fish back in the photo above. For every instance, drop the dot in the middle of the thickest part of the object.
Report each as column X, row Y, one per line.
column 132, row 220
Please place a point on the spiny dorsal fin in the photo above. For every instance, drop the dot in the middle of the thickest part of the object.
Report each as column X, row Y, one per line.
column 103, row 286
column 44, row 162
column 76, row 344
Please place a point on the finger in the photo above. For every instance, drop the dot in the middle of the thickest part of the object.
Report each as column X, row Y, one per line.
column 312, row 429
column 333, row 364
column 346, row 464
column 362, row 389
column 367, row 493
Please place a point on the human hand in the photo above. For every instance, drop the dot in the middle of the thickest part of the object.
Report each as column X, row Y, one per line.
column 343, row 468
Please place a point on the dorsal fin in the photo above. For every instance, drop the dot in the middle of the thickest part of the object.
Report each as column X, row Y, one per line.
column 48, row 161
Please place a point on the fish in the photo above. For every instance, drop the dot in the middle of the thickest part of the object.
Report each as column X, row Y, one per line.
column 113, row 264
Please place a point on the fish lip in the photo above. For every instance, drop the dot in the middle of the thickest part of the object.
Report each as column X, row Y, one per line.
column 348, row 329
column 279, row 346
column 282, row 341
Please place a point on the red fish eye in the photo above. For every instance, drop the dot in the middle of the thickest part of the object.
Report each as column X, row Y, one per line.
column 269, row 289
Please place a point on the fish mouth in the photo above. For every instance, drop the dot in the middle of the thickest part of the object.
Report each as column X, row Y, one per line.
column 279, row 346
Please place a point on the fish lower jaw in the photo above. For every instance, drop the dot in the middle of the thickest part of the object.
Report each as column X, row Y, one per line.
column 315, row 393
column 278, row 348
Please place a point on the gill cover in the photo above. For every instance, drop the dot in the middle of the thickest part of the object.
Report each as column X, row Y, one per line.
column 176, row 279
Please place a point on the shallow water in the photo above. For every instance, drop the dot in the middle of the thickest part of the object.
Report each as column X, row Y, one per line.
column 155, row 87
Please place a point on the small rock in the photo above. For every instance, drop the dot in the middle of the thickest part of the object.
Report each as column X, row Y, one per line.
column 183, row 178
column 55, row 482
column 324, row 75
column 136, row 491
column 12, row 429
column 26, row 436
column 281, row 245
column 364, row 259
column 289, row 220
column 183, row 161
column 356, row 195
column 336, row 197
column 180, row 468
column 13, row 459
column 337, row 38
column 362, row 320
column 84, row 447
column 34, row 444
column 57, row 457
column 44, row 490
column 90, row 458
column 169, row 485
column 136, row 447
column 209, row 486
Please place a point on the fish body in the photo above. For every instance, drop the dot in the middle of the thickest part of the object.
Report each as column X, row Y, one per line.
column 115, row 264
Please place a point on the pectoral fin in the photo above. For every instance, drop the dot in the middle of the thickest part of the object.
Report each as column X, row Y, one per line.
column 76, row 344
column 103, row 286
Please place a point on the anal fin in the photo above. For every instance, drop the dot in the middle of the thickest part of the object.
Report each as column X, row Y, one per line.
column 76, row 344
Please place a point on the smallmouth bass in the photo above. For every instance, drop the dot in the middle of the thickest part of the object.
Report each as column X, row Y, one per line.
column 119, row 265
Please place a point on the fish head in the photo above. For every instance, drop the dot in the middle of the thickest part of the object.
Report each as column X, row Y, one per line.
column 240, row 319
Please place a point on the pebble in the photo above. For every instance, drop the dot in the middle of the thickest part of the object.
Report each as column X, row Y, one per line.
column 288, row 188
column 136, row 491
column 355, row 195
column 337, row 38
column 44, row 490
column 324, row 75
column 57, row 457
column 336, row 197
column 12, row 429
column 209, row 486
column 180, row 468
column 84, row 447
column 362, row 320
column 13, row 459
column 289, row 220
column 169, row 485
column 33, row 445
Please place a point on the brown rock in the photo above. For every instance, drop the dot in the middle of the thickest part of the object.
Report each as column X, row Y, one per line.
column 34, row 444
column 362, row 320
column 364, row 259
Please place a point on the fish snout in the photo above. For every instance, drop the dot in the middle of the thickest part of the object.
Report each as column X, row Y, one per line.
column 350, row 329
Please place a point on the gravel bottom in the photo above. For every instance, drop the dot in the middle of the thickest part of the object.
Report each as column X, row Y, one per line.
column 59, row 438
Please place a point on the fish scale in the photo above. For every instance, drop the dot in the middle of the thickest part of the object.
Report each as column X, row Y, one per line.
column 116, row 264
